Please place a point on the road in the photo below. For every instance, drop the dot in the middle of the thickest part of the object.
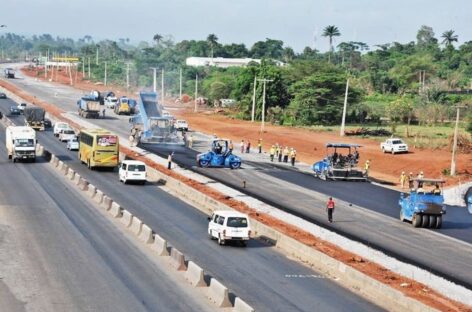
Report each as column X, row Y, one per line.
column 271, row 184
column 259, row 273
column 57, row 253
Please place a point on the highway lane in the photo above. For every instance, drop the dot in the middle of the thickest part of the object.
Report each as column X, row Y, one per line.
column 58, row 253
column 259, row 274
column 387, row 234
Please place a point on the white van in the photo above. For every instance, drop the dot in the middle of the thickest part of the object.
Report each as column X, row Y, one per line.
column 132, row 171
column 59, row 126
column 228, row 225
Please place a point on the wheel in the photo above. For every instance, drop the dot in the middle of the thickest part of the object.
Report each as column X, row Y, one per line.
column 210, row 236
column 401, row 216
column 383, row 150
column 393, row 152
column 203, row 163
column 323, row 175
column 438, row 222
column 220, row 241
column 432, row 221
column 417, row 220
column 235, row 165
column 425, row 221
column 243, row 243
column 124, row 181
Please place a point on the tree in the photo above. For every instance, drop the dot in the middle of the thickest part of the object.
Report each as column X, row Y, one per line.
column 157, row 38
column 425, row 37
column 399, row 110
column 269, row 48
column 331, row 31
column 449, row 37
column 212, row 41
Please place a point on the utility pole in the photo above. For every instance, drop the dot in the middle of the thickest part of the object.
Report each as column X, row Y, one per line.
column 96, row 58
column 264, row 81
column 83, row 68
column 254, row 99
column 180, row 85
column 127, row 77
column 454, row 146
column 70, row 74
column 343, row 122
column 89, row 67
column 162, row 87
column 154, row 79
column 105, row 79
column 196, row 92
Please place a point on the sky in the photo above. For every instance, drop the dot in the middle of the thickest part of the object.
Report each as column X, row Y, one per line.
column 299, row 23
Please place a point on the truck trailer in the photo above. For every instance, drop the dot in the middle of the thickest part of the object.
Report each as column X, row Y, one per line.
column 21, row 143
column 34, row 117
column 89, row 107
column 9, row 73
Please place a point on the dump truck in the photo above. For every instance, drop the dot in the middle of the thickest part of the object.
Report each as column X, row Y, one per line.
column 34, row 117
column 89, row 107
column 9, row 73
column 21, row 143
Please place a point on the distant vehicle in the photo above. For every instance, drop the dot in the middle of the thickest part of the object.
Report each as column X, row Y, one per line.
column 110, row 102
column 21, row 143
column 14, row 110
column 89, row 107
column 468, row 199
column 59, row 126
column 181, row 125
column 423, row 207
column 227, row 102
column 394, row 146
column 66, row 135
column 73, row 144
column 3, row 95
column 47, row 123
column 132, row 171
column 219, row 156
column 338, row 165
column 34, row 117
column 9, row 73
column 98, row 148
column 132, row 106
column 166, row 114
column 21, row 107
column 229, row 225
column 122, row 106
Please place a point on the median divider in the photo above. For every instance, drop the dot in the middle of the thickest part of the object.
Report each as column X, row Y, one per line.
column 106, row 202
column 146, row 234
column 64, row 169
column 115, row 210
column 218, row 294
column 76, row 178
column 71, row 174
column 98, row 198
column 160, row 245
column 127, row 218
column 83, row 184
column 177, row 259
column 241, row 306
column 91, row 190
column 60, row 164
column 136, row 225
column 194, row 275
column 54, row 160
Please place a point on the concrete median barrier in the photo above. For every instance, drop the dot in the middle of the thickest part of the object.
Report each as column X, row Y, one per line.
column 64, row 168
column 115, row 210
column 98, row 198
column 91, row 190
column 241, row 306
column 194, row 275
column 76, row 178
column 106, row 202
column 146, row 234
column 60, row 164
column 177, row 259
column 160, row 245
column 54, row 160
column 127, row 218
column 218, row 294
column 40, row 150
column 136, row 226
column 71, row 174
column 83, row 184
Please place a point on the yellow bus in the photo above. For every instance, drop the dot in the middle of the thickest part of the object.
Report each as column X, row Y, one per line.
column 98, row 148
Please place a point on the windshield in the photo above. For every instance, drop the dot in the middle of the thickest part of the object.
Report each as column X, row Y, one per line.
column 237, row 222
column 68, row 132
column 24, row 142
column 63, row 126
column 397, row 142
column 136, row 168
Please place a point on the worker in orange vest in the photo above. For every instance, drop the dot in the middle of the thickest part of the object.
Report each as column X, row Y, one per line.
column 330, row 209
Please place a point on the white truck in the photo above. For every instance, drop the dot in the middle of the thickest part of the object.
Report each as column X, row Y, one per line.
column 21, row 143
column 394, row 146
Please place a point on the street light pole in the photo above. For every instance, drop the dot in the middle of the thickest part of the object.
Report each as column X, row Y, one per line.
column 454, row 146
column 343, row 122
column 105, row 79
column 162, row 87
column 154, row 79
column 254, row 99
column 196, row 92
column 264, row 82
column 180, row 85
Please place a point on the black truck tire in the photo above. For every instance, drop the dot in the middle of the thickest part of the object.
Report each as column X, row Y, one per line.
column 417, row 220
column 425, row 221
column 432, row 221
column 438, row 222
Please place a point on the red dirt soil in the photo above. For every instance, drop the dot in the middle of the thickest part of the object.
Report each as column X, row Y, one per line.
column 412, row 289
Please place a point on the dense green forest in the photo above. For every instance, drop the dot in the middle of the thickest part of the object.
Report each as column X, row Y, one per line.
column 404, row 82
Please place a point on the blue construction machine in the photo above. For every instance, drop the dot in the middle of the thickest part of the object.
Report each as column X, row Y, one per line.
column 149, row 126
column 340, row 163
column 424, row 205
column 219, row 156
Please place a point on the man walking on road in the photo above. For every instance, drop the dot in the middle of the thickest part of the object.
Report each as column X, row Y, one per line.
column 242, row 146
column 403, row 179
column 271, row 153
column 169, row 161
column 103, row 113
column 259, row 146
column 279, row 152
column 286, row 153
column 230, row 147
column 330, row 209
column 366, row 168
column 293, row 155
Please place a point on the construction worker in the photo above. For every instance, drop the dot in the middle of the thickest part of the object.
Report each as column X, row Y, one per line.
column 272, row 153
column 242, row 146
column 366, row 168
column 403, row 179
column 437, row 190
column 248, row 147
column 420, row 176
column 169, row 161
column 330, row 209
column 230, row 147
column 293, row 155
column 411, row 181
column 190, row 141
column 286, row 152
column 259, row 146
column 103, row 113
column 278, row 151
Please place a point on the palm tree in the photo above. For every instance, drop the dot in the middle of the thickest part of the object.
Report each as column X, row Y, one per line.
column 157, row 38
column 212, row 40
column 449, row 37
column 331, row 31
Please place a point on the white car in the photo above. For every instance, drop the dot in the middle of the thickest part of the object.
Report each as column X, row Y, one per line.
column 73, row 144
column 21, row 107
column 394, row 145
column 132, row 171
column 181, row 125
column 110, row 102
column 66, row 135
column 59, row 126
column 226, row 225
